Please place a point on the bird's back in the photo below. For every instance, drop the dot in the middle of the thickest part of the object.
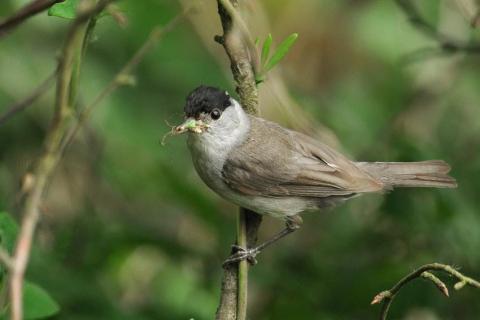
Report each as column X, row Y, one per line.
column 275, row 162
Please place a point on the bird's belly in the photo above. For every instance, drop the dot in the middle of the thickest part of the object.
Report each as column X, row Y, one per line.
column 275, row 207
column 208, row 160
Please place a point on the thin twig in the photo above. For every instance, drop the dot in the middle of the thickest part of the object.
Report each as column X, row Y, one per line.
column 26, row 102
column 235, row 40
column 386, row 297
column 123, row 77
column 51, row 154
column 24, row 13
column 58, row 135
column 470, row 10
column 446, row 44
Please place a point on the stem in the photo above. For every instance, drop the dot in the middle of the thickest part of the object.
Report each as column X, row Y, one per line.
column 51, row 155
column 445, row 42
column 42, row 173
column 26, row 102
column 386, row 297
column 24, row 13
column 236, row 48
column 242, row 295
column 124, row 75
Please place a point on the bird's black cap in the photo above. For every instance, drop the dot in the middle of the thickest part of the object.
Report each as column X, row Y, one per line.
column 205, row 99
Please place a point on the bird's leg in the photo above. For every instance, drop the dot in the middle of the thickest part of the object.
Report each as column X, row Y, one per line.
column 292, row 224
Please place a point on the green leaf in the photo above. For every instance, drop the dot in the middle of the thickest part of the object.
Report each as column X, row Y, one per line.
column 37, row 302
column 281, row 51
column 66, row 9
column 259, row 78
column 266, row 49
column 8, row 231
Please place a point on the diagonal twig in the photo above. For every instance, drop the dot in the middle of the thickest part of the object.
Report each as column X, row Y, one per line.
column 123, row 77
column 58, row 133
column 24, row 13
column 26, row 102
column 445, row 43
column 470, row 10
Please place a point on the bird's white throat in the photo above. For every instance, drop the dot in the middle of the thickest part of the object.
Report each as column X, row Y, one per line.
column 210, row 149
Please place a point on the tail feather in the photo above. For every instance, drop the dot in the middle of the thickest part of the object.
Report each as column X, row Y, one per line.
column 431, row 173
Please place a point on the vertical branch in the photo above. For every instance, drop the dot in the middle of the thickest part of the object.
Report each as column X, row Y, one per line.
column 233, row 41
column 233, row 300
column 248, row 224
column 48, row 160
column 242, row 290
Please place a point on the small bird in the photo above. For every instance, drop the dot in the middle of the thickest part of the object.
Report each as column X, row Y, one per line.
column 271, row 170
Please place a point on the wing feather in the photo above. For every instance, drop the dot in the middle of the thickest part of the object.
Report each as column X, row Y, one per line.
column 291, row 164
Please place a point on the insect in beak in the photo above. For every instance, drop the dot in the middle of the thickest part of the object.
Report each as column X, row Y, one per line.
column 192, row 125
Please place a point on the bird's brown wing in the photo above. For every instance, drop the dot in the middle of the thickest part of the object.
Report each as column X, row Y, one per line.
column 276, row 162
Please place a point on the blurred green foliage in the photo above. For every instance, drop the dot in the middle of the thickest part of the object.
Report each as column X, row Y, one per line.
column 130, row 232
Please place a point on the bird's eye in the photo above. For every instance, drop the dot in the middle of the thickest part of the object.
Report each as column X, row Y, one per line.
column 215, row 114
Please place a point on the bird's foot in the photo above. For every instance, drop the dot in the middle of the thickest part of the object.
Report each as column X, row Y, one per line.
column 240, row 254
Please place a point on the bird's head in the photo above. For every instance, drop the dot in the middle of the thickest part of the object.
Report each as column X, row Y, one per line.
column 209, row 109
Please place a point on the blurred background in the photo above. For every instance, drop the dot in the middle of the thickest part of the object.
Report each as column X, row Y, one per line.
column 130, row 232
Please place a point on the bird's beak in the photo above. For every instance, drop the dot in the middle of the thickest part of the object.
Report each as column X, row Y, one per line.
column 192, row 125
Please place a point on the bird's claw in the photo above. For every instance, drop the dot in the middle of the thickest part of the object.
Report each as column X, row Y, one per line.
column 240, row 254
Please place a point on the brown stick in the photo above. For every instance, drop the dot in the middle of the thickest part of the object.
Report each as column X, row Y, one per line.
column 238, row 53
column 233, row 299
column 24, row 13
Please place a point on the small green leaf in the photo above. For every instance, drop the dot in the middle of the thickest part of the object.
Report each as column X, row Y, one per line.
column 37, row 302
column 266, row 49
column 259, row 78
column 281, row 51
column 8, row 231
column 66, row 9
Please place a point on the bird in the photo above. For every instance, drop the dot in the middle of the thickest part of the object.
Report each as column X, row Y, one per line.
column 259, row 165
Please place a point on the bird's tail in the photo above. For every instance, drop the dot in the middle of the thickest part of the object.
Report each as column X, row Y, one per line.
column 431, row 173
